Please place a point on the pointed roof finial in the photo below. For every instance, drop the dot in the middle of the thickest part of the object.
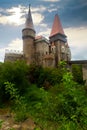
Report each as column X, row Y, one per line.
column 29, row 21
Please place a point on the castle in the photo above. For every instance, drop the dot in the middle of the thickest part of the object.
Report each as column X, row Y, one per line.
column 38, row 49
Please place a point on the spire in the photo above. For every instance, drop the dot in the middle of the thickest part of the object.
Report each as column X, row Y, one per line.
column 29, row 21
column 57, row 27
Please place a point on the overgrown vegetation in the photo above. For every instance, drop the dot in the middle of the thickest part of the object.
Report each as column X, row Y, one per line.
column 77, row 73
column 51, row 96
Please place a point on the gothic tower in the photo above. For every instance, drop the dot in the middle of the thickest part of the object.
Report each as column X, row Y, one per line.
column 58, row 40
column 28, row 36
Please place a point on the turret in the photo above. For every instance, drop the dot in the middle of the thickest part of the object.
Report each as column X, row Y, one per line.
column 58, row 38
column 28, row 36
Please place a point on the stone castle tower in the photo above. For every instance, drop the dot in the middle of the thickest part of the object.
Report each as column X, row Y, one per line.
column 28, row 36
column 59, row 41
column 40, row 50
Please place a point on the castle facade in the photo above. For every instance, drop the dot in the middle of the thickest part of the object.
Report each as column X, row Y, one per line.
column 38, row 49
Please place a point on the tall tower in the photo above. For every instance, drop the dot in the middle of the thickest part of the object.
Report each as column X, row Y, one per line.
column 58, row 39
column 28, row 36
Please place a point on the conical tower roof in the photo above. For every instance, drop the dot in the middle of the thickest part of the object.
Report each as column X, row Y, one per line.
column 57, row 26
column 29, row 21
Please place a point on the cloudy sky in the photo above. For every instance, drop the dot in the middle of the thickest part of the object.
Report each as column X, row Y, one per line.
column 72, row 13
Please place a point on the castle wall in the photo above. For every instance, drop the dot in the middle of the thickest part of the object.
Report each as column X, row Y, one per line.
column 42, row 47
column 11, row 56
column 60, row 54
column 49, row 60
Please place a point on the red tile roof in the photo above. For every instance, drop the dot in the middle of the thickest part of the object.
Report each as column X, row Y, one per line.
column 57, row 26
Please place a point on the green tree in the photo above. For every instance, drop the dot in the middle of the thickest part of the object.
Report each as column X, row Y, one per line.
column 19, row 105
column 77, row 73
column 15, row 73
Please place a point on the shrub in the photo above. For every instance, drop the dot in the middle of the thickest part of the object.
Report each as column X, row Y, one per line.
column 77, row 73
column 15, row 73
column 19, row 105
column 45, row 77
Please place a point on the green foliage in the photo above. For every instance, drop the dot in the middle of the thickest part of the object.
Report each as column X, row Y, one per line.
column 45, row 77
column 11, row 129
column 13, row 92
column 53, row 98
column 64, row 103
column 40, row 102
column 77, row 73
column 20, row 106
column 34, row 72
column 1, row 123
column 73, row 103
column 37, row 129
column 15, row 73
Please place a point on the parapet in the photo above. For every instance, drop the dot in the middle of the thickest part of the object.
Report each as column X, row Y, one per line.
column 13, row 55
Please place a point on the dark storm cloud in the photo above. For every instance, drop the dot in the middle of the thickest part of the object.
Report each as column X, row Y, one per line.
column 9, row 3
column 74, row 13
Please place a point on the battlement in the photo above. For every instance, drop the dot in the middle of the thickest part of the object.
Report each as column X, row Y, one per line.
column 9, row 52
column 13, row 55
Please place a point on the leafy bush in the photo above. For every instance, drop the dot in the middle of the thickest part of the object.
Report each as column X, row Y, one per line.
column 53, row 98
column 64, row 104
column 1, row 123
column 77, row 73
column 15, row 73
column 45, row 77
column 19, row 106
